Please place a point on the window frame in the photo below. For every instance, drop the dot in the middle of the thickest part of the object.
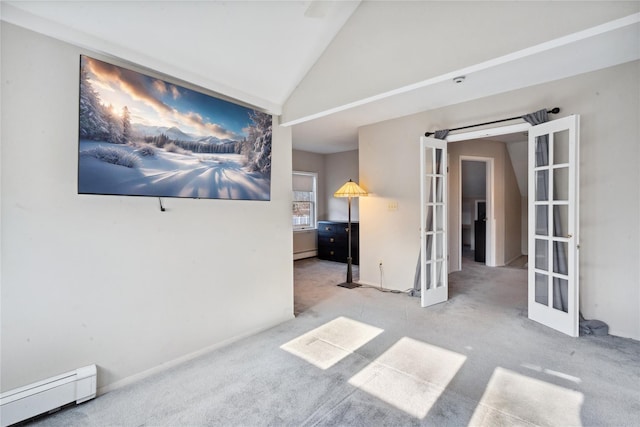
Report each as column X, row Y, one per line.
column 313, row 202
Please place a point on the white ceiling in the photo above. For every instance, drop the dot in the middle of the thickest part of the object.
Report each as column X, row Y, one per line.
column 258, row 52
column 254, row 51
column 606, row 45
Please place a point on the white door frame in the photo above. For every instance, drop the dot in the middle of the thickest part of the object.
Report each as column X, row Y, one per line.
column 486, row 133
column 490, row 249
column 491, row 225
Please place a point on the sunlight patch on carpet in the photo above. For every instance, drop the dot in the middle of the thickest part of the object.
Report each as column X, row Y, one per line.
column 511, row 398
column 411, row 375
column 328, row 344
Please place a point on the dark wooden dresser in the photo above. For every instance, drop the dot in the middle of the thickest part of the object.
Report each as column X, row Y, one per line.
column 333, row 241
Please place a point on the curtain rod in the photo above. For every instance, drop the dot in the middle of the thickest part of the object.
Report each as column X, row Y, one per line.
column 555, row 110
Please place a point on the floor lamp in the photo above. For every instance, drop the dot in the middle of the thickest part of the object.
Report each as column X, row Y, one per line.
column 350, row 189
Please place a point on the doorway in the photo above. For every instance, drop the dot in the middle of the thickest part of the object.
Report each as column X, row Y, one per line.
column 552, row 171
column 473, row 207
column 488, row 169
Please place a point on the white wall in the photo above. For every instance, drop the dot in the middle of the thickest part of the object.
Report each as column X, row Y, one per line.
column 518, row 154
column 609, row 106
column 112, row 280
column 340, row 168
column 389, row 44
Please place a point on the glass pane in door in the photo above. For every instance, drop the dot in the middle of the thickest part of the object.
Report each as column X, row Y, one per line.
column 542, row 151
column 428, row 161
column 439, row 190
column 439, row 246
column 429, row 218
column 560, row 292
column 428, row 188
column 439, row 167
column 439, row 274
column 542, row 220
column 542, row 255
column 560, row 258
column 561, row 147
column 560, row 220
column 542, row 185
column 542, row 288
column 439, row 225
column 561, row 184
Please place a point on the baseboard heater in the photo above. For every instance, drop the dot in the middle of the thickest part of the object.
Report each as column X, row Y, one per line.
column 37, row 398
column 304, row 254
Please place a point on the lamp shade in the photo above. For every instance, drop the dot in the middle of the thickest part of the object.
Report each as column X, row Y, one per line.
column 350, row 189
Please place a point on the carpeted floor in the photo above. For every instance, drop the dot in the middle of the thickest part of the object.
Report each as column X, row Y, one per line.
column 366, row 358
column 521, row 262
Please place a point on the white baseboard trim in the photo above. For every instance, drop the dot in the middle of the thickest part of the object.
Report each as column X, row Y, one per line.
column 187, row 357
column 305, row 254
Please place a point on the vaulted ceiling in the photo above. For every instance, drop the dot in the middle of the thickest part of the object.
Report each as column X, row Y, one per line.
column 254, row 51
column 259, row 52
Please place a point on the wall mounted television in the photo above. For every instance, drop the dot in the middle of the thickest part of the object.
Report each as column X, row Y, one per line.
column 143, row 136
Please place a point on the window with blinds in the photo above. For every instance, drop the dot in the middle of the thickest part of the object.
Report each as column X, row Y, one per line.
column 304, row 200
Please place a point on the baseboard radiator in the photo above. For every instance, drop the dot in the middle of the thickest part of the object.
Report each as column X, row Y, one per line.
column 37, row 398
column 304, row 254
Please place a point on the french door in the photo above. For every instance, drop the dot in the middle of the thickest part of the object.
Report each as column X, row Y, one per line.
column 433, row 220
column 553, row 224
column 553, row 240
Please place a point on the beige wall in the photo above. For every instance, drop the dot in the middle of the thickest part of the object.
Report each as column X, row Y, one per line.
column 340, row 168
column 512, row 213
column 112, row 280
column 608, row 102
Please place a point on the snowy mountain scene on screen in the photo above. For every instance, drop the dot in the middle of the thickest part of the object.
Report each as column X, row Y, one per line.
column 143, row 136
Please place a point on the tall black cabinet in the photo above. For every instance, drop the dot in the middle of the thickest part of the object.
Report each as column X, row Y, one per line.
column 480, row 236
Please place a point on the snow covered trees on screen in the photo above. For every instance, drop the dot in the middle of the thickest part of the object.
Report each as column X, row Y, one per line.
column 114, row 134
column 97, row 122
column 126, row 124
column 92, row 122
column 259, row 142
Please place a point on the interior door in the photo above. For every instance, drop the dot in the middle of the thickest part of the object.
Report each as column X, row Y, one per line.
column 433, row 217
column 553, row 224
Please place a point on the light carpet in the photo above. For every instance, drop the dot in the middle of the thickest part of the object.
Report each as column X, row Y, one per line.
column 366, row 358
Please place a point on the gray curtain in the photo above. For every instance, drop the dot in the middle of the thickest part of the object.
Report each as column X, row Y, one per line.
column 559, row 256
column 415, row 292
